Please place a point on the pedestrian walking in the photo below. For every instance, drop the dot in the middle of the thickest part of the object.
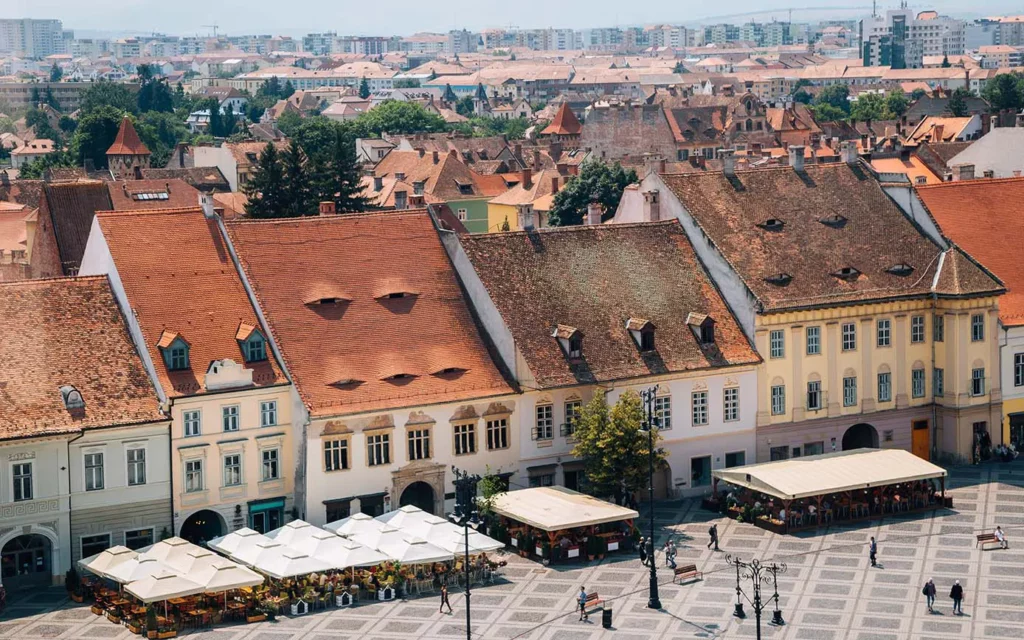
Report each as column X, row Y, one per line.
column 643, row 551
column 957, row 594
column 929, row 594
column 444, row 599
column 873, row 552
column 670, row 554
column 713, row 534
column 1001, row 538
column 582, row 601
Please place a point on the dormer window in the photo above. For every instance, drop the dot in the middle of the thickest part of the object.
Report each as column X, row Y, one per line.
column 450, row 372
column 703, row 327
column 901, row 269
column 576, row 346
column 346, row 383
column 400, row 377
column 847, row 273
column 327, row 299
column 252, row 342
column 72, row 398
column 465, row 188
column 779, row 279
column 642, row 332
column 570, row 339
column 772, row 224
column 835, row 221
column 175, row 351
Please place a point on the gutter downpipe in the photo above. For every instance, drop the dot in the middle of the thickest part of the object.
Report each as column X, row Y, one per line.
column 935, row 409
column 71, row 543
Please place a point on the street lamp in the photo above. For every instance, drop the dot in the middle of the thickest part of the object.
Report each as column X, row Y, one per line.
column 650, row 422
column 758, row 573
column 465, row 514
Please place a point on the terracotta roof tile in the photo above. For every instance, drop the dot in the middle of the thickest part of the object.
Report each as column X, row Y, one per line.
column 565, row 123
column 72, row 206
column 183, row 283
column 372, row 337
column 127, row 142
column 734, row 212
column 202, row 178
column 68, row 331
column 135, row 195
column 595, row 279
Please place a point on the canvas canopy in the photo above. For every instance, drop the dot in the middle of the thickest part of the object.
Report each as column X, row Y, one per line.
column 163, row 586
column 407, row 549
column 192, row 560
column 250, row 555
column 831, row 473
column 282, row 562
column 235, row 540
column 444, row 534
column 355, row 523
column 337, row 551
column 557, row 508
column 405, row 516
column 293, row 532
column 169, row 551
column 224, row 575
column 104, row 561
column 137, row 569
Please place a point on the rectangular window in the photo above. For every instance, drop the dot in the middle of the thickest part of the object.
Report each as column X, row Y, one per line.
column 232, row 470
column 1018, row 369
column 336, row 455
column 543, row 480
column 917, row 383
column 268, row 413
column 938, row 382
column 93, row 471
column 884, row 331
column 779, row 453
column 465, row 438
column 700, row 471
column 736, row 459
column 193, row 423
column 977, row 382
column 814, row 448
column 179, row 358
column 418, row 441
column 977, row 327
column 572, row 413
column 663, row 410
column 938, row 328
column 813, row 341
column 271, row 464
column 777, row 344
column 138, row 538
column 136, row 467
column 91, row 545
column 850, row 392
column 229, row 417
column 778, row 400
column 193, row 476
column 731, row 404
column 700, row 407
column 814, row 395
column 22, row 472
column 885, row 387
column 497, row 434
column 916, row 329
column 849, row 336
column 255, row 351
column 545, row 423
column 378, row 449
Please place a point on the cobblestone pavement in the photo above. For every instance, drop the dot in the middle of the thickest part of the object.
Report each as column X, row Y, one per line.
column 829, row 591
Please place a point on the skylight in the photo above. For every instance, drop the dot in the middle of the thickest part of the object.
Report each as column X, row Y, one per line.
column 847, row 273
column 157, row 195
column 779, row 279
column 772, row 224
column 901, row 269
column 835, row 221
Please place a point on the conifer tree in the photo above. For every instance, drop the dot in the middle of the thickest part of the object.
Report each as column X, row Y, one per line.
column 266, row 188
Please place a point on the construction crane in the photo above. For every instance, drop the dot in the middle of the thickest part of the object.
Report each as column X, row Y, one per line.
column 211, row 26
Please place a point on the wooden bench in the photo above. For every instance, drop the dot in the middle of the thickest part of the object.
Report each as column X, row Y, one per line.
column 986, row 538
column 687, row 571
column 593, row 601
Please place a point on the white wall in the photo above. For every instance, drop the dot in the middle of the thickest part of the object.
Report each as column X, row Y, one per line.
column 1013, row 344
column 217, row 157
column 114, row 444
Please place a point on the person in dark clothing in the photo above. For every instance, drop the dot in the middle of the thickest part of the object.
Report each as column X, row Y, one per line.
column 581, row 600
column 643, row 551
column 713, row 533
column 444, row 599
column 873, row 552
column 929, row 595
column 957, row 594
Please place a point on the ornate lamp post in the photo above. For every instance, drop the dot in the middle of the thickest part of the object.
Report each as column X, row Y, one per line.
column 758, row 574
column 466, row 515
column 650, row 421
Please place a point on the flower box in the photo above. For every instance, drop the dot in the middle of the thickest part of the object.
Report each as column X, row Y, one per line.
column 113, row 617
column 137, row 630
column 259, row 617
column 77, row 597
column 96, row 609
column 166, row 634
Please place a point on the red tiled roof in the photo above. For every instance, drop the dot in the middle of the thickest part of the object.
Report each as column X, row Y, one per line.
column 370, row 337
column 564, row 124
column 185, row 283
column 127, row 142
column 991, row 232
column 135, row 195
column 595, row 279
column 72, row 206
column 68, row 331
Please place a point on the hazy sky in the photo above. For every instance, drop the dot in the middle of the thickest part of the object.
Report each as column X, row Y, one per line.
column 294, row 17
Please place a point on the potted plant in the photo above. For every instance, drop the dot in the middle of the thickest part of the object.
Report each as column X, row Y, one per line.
column 151, row 622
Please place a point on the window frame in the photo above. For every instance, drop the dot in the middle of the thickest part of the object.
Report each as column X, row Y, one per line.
column 817, row 394
column 268, row 408
column 938, row 327
column 378, row 449
column 938, row 381
column 152, row 537
column 887, row 386
column 816, row 341
column 730, row 407
column 849, row 336
column 94, row 480
column 849, row 391
column 917, row 329
column 544, row 426
column 230, row 414
column 778, row 399
column 663, row 411
column 883, row 333
column 1018, row 369
column 497, row 433
column 776, row 344
column 699, row 409
column 464, row 438
column 197, row 473
column 977, row 382
column 19, row 481
column 336, row 448
column 135, row 464
column 977, row 327
column 192, row 417
column 270, row 459
column 572, row 410
column 95, row 542
column 235, row 467
column 917, row 383
column 257, row 343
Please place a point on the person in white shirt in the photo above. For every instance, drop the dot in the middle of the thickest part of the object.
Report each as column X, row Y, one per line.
column 1001, row 537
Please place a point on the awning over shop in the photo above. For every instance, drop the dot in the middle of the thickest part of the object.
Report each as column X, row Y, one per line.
column 831, row 473
column 557, row 508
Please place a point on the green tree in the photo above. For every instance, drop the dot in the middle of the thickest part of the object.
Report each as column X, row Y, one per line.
column 896, row 102
column 464, row 106
column 1004, row 92
column 802, row 96
column 34, row 97
column 50, row 99
column 335, row 176
column 56, row 73
column 397, row 117
column 68, row 124
column 109, row 94
column 40, row 123
column 155, row 95
column 827, row 113
column 265, row 189
column 96, row 131
column 364, row 89
column 596, row 181
column 288, row 89
column 161, row 132
column 836, row 95
column 870, row 106
column 289, row 122
column 612, row 446
column 270, row 89
column 957, row 103
column 6, row 125
column 407, row 83
column 917, row 94
column 36, row 169
column 297, row 195
column 945, row 62
column 679, row 68
column 491, row 486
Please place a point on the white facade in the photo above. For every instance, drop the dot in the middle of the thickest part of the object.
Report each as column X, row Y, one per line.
column 1011, row 354
column 937, row 35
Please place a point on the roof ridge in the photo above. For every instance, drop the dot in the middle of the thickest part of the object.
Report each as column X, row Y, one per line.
column 976, row 181
column 364, row 214
column 150, row 212
column 577, row 228
column 15, row 283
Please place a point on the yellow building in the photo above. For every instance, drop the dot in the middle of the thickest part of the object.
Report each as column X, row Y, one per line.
column 872, row 333
column 527, row 203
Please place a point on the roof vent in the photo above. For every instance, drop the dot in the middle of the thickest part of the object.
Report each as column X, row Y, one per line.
column 326, row 300
column 400, row 377
column 346, row 383
column 901, row 269
column 772, row 224
column 835, row 221
column 779, row 279
column 450, row 372
column 73, row 399
column 847, row 273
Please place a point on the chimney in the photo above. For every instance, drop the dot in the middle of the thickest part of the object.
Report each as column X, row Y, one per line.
column 327, row 208
column 554, row 185
column 378, row 183
column 433, row 156
column 1016, row 173
column 864, row 141
column 963, row 172
column 526, row 217
column 652, row 206
column 728, row 163
column 527, row 179
column 206, row 202
column 848, row 152
column 662, row 165
column 518, row 150
column 536, row 159
column 594, row 210
column 421, row 151
column 694, row 162
column 555, row 150
column 401, row 200
column 986, row 123
column 755, row 148
column 417, row 187
column 562, row 168
column 796, row 157
column 937, row 131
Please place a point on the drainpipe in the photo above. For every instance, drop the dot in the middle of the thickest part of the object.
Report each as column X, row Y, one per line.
column 935, row 408
column 71, row 543
column 170, row 466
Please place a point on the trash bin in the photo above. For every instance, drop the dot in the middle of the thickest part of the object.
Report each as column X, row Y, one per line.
column 606, row 617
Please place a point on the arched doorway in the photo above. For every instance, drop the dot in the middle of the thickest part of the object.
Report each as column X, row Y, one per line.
column 202, row 526
column 859, row 436
column 662, row 483
column 25, row 562
column 418, row 494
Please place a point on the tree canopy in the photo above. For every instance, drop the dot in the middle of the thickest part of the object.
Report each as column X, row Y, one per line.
column 1005, row 91
column 957, row 103
column 96, row 131
column 870, row 106
column 836, row 95
column 364, row 89
column 56, row 73
column 265, row 189
column 109, row 94
column 896, row 102
column 395, row 117
column 596, row 181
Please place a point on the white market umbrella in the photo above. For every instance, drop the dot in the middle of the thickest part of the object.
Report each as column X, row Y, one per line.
column 339, row 552
column 104, row 561
column 450, row 537
column 354, row 524
column 287, row 563
column 163, row 586
column 224, row 575
column 251, row 553
column 192, row 560
column 374, row 537
column 169, row 550
column 235, row 540
column 405, row 516
column 294, row 531
column 409, row 550
column 137, row 569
